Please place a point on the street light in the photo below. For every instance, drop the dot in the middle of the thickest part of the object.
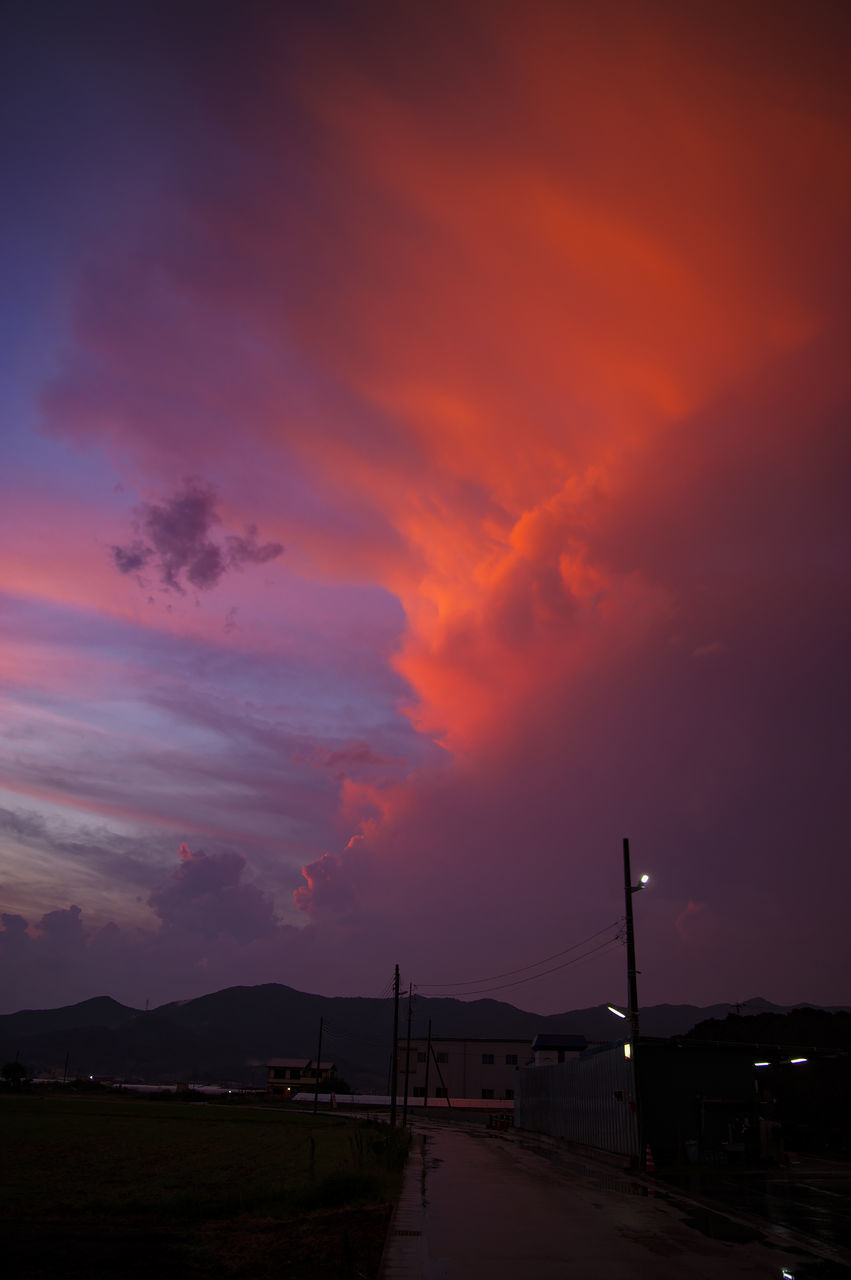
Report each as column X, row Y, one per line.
column 619, row 1013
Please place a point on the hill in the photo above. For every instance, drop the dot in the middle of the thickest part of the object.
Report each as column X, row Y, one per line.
column 230, row 1035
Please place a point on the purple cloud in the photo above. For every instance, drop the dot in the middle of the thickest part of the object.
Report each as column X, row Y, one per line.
column 329, row 884
column 175, row 537
column 204, row 896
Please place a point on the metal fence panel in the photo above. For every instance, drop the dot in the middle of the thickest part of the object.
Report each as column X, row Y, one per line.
column 590, row 1100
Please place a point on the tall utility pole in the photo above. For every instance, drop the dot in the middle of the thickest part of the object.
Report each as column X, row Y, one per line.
column 318, row 1068
column 408, row 1056
column 632, row 977
column 631, row 971
column 394, row 1071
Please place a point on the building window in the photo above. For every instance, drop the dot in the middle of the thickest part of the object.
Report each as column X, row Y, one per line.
column 421, row 1057
column 441, row 1092
column 443, row 1057
column 511, row 1059
column 419, row 1091
column 487, row 1093
column 487, row 1059
column 509, row 1095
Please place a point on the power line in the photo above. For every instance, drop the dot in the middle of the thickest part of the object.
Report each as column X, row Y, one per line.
column 533, row 977
column 523, row 968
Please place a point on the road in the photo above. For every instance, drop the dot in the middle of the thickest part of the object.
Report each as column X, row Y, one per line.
column 811, row 1197
column 488, row 1206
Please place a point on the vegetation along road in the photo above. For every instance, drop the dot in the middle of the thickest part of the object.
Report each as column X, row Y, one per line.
column 151, row 1188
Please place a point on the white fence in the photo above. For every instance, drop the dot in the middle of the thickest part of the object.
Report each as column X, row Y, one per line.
column 590, row 1100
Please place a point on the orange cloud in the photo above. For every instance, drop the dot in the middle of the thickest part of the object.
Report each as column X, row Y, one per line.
column 543, row 309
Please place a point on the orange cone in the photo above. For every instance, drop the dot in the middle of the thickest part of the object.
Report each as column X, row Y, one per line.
column 649, row 1162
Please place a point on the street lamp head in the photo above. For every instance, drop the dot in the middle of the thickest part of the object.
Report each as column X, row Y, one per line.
column 617, row 1012
column 644, row 880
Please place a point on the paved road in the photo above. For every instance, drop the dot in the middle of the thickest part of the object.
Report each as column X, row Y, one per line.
column 481, row 1206
column 812, row 1197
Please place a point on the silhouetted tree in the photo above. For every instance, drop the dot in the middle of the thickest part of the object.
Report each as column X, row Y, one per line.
column 15, row 1074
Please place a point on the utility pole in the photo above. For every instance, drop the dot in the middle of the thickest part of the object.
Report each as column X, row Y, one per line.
column 394, row 1071
column 428, row 1064
column 632, row 979
column 318, row 1068
column 408, row 1055
column 631, row 971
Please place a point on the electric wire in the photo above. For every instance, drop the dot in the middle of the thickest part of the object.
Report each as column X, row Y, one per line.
column 518, row 982
column 509, row 973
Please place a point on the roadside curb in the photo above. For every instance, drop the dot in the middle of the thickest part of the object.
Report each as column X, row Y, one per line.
column 404, row 1255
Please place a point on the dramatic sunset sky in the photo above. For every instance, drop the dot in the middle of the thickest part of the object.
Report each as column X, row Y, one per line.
column 425, row 463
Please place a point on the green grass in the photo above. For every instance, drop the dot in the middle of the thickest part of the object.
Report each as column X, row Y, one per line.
column 196, row 1189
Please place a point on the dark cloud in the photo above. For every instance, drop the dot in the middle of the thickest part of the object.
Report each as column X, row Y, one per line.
column 63, row 928
column 132, row 558
column 204, row 896
column 175, row 538
column 23, row 826
column 211, row 927
column 247, row 550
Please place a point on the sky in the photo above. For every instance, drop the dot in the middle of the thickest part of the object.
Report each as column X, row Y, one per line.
column 425, row 464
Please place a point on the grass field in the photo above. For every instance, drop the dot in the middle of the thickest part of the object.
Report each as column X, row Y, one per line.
column 143, row 1188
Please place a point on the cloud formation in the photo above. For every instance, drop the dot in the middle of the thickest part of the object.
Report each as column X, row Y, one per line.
column 204, row 896
column 329, row 885
column 174, row 539
column 210, row 926
column 524, row 332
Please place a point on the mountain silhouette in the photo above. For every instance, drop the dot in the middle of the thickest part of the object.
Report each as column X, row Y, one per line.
column 228, row 1036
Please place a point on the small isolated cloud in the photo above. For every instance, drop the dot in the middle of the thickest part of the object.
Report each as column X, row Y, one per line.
column 174, row 538
column 329, row 884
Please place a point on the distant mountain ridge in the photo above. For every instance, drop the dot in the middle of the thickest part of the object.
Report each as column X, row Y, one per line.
column 229, row 1035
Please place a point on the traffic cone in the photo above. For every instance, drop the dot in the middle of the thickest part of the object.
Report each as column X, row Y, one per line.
column 649, row 1162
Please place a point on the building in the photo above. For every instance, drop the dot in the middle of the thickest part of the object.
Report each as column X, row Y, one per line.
column 549, row 1048
column 295, row 1075
column 458, row 1068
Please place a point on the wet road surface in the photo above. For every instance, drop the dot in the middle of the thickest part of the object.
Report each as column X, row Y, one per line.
column 813, row 1197
column 481, row 1205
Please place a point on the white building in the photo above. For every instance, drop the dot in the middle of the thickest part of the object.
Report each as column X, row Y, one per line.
column 461, row 1068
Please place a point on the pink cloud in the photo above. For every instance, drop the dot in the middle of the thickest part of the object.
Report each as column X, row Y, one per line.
column 563, row 377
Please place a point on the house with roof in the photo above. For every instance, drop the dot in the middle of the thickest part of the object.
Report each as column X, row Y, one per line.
column 289, row 1076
